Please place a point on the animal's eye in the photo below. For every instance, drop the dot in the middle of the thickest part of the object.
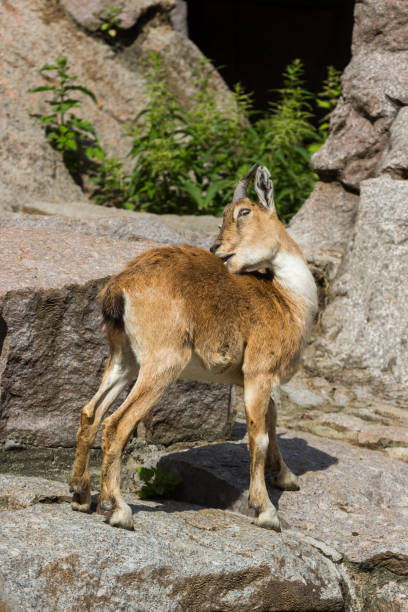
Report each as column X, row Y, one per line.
column 244, row 212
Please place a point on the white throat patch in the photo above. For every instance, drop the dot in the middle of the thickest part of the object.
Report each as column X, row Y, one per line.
column 294, row 275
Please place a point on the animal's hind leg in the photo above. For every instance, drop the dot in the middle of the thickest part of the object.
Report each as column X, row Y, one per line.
column 152, row 382
column 280, row 474
column 121, row 368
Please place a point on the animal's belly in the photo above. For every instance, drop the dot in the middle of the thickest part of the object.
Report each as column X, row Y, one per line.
column 195, row 370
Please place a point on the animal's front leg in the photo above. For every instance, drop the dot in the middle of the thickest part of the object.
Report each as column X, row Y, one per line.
column 256, row 395
column 280, row 474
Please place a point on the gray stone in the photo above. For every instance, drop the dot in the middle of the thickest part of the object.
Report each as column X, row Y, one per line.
column 392, row 597
column 53, row 346
column 30, row 168
column 373, row 87
column 178, row 17
column 353, row 500
column 356, row 360
column 323, row 225
column 395, row 158
column 178, row 558
column 190, row 411
column 21, row 492
column 364, row 326
column 380, row 24
column 135, row 227
column 168, row 229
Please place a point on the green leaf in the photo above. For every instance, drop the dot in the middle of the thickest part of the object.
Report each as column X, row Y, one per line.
column 83, row 89
column 48, row 67
column 41, row 88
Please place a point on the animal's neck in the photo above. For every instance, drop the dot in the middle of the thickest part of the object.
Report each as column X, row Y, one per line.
column 293, row 274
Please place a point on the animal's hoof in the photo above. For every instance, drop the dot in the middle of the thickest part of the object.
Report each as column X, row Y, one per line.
column 78, row 507
column 81, row 499
column 122, row 517
column 268, row 520
column 287, row 480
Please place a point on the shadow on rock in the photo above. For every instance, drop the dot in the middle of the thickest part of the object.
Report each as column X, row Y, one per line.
column 217, row 475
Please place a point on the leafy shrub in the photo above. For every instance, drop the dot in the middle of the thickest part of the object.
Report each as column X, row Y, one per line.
column 67, row 132
column 189, row 160
column 157, row 483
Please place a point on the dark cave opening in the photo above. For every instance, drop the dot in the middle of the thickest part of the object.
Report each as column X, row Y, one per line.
column 253, row 40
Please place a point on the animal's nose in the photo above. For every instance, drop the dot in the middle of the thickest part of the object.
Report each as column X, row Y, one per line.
column 215, row 246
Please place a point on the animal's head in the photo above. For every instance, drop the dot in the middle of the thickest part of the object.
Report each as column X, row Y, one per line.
column 251, row 234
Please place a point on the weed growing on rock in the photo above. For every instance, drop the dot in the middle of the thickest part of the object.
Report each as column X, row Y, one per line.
column 157, row 483
column 66, row 131
column 111, row 22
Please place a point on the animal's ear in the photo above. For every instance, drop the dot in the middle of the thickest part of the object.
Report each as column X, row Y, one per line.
column 264, row 188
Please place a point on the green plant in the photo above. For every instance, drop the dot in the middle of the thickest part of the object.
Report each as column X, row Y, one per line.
column 66, row 131
column 110, row 180
column 188, row 160
column 157, row 483
column 284, row 139
column 111, row 21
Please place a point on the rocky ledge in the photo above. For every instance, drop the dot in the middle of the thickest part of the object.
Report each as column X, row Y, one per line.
column 343, row 544
column 179, row 557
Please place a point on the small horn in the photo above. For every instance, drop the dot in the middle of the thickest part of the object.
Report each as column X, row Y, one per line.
column 241, row 188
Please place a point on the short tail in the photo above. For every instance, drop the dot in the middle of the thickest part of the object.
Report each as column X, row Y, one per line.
column 113, row 306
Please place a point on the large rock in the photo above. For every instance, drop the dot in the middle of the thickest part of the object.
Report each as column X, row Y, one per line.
column 374, row 86
column 112, row 223
column 379, row 24
column 36, row 35
column 53, row 346
column 395, row 158
column 354, row 381
column 364, row 327
column 178, row 558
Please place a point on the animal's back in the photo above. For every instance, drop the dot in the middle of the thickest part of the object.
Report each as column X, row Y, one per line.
column 219, row 313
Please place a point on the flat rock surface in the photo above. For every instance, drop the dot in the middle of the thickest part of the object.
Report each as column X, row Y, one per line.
column 21, row 492
column 169, row 229
column 44, row 258
column 354, row 500
column 179, row 557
